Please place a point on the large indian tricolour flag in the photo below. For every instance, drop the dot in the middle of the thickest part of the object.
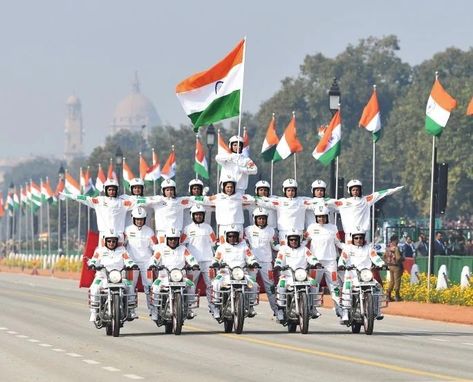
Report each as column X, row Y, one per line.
column 214, row 94
column 328, row 147
column 439, row 106
column 289, row 143
column 371, row 117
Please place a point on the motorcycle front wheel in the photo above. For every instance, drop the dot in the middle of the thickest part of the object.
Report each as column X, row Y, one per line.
column 115, row 315
column 303, row 313
column 291, row 327
column 239, row 315
column 177, row 316
column 368, row 317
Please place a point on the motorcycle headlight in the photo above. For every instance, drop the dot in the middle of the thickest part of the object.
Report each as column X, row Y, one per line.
column 115, row 276
column 175, row 275
column 366, row 275
column 300, row 274
column 237, row 273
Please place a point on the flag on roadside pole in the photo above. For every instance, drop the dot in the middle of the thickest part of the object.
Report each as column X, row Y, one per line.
column 289, row 143
column 89, row 188
column 200, row 164
column 246, row 143
column 16, row 201
column 143, row 167
column 169, row 169
column 71, row 186
column 153, row 173
column 329, row 145
column 270, row 141
column 214, row 94
column 127, row 175
column 47, row 194
column 371, row 117
column 25, row 202
column 2, row 209
column 35, row 195
column 111, row 174
column 438, row 109
column 100, row 179
column 222, row 147
column 469, row 110
column 9, row 203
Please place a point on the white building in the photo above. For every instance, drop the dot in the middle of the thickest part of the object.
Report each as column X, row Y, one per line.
column 135, row 112
column 74, row 144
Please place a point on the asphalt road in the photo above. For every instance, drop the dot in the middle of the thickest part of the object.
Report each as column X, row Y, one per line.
column 45, row 336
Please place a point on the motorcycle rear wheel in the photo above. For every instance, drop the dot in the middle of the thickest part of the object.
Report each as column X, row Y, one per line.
column 177, row 315
column 368, row 318
column 115, row 315
column 239, row 315
column 303, row 313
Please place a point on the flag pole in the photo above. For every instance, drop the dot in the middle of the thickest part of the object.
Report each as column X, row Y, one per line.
column 152, row 163
column 19, row 225
column 431, row 216
column 241, row 91
column 295, row 166
column 58, row 222
column 196, row 139
column 336, row 178
column 26, row 222
column 49, row 229
column 40, row 225
column 82, row 190
column 67, row 227
column 32, row 223
column 271, row 179
column 373, row 227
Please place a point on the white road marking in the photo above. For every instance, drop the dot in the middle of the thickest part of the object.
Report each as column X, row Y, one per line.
column 22, row 336
column 75, row 355
column 33, row 340
column 3, row 328
column 58, row 350
column 45, row 345
column 91, row 361
column 133, row 376
column 467, row 343
column 110, row 368
column 439, row 339
column 12, row 332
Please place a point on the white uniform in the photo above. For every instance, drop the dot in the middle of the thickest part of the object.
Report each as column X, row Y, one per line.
column 139, row 243
column 237, row 255
column 295, row 258
column 272, row 215
column 109, row 259
column 360, row 257
column 355, row 211
column 290, row 213
column 200, row 238
column 188, row 217
column 323, row 244
column 237, row 166
column 316, row 203
column 171, row 258
column 111, row 212
column 128, row 218
column 262, row 241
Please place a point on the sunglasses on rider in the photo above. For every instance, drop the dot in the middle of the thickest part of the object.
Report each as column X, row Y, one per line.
column 111, row 240
column 292, row 239
column 357, row 237
column 173, row 238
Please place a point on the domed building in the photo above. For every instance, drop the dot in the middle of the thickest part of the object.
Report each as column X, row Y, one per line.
column 135, row 112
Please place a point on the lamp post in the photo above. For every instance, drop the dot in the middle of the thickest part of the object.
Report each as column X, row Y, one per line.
column 334, row 98
column 60, row 225
column 119, row 164
column 11, row 190
column 210, row 140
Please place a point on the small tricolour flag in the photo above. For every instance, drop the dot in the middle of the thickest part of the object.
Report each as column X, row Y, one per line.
column 169, row 169
column 222, row 147
column 200, row 164
column 289, row 143
column 328, row 147
column 111, row 174
column 438, row 109
column 270, row 141
column 246, row 143
column 127, row 174
column 71, row 186
column 154, row 172
column 36, row 194
column 214, row 94
column 371, row 117
column 469, row 110
column 143, row 167
column 100, row 179
column 16, row 201
column 47, row 194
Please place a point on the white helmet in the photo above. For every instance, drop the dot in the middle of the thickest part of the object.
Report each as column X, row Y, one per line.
column 172, row 232
column 110, row 234
column 167, row 183
column 353, row 183
column 232, row 229
column 358, row 231
column 110, row 183
column 235, row 138
column 293, row 232
column 195, row 182
column 318, row 183
column 261, row 184
column 138, row 213
column 289, row 183
column 321, row 210
column 137, row 182
column 197, row 208
column 228, row 179
column 259, row 211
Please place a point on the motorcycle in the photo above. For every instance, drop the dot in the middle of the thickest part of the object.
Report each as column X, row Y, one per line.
column 365, row 296
column 298, row 301
column 233, row 300
column 172, row 303
column 114, row 303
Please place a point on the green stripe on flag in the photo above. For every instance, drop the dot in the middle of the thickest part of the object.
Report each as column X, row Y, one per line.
column 376, row 136
column 268, row 155
column 201, row 170
column 221, row 108
column 330, row 154
column 432, row 127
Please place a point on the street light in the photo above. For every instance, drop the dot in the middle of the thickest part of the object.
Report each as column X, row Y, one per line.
column 119, row 163
column 210, row 139
column 60, row 214
column 11, row 190
column 334, row 98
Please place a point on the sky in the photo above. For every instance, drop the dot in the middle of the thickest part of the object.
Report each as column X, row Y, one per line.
column 54, row 48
